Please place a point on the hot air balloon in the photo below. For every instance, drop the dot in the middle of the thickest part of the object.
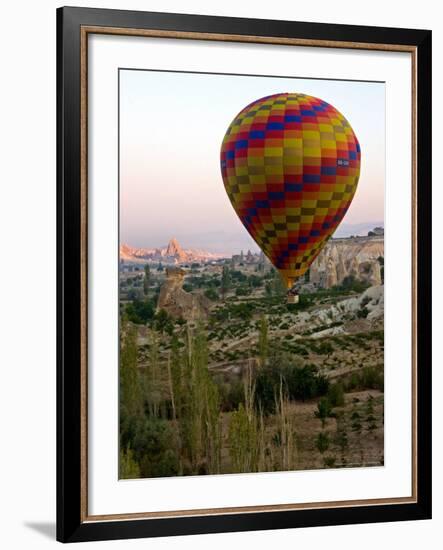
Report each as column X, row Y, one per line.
column 290, row 165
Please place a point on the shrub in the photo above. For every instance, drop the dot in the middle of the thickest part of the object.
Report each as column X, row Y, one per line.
column 151, row 446
column 163, row 322
column 336, row 395
column 363, row 313
column 324, row 410
column 372, row 378
column 140, row 312
column 242, row 291
column 350, row 284
column 342, row 440
column 255, row 281
column 211, row 294
column 329, row 461
column 323, row 348
column 322, row 442
column 298, row 382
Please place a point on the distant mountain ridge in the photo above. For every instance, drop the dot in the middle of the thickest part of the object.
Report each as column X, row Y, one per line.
column 171, row 253
column 345, row 230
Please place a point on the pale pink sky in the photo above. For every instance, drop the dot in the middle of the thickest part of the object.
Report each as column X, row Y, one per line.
column 171, row 129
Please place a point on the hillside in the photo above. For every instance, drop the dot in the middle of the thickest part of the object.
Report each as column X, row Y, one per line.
column 360, row 258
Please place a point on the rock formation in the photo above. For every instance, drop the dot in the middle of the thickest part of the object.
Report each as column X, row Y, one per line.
column 342, row 258
column 358, row 313
column 174, row 250
column 173, row 253
column 179, row 303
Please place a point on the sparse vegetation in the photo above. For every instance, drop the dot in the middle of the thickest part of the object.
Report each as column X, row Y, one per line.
column 249, row 387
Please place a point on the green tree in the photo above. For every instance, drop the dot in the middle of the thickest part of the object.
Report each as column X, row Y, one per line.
column 131, row 399
column 146, row 280
column 200, row 428
column 140, row 312
column 254, row 281
column 244, row 431
column 286, row 431
column 336, row 395
column 242, row 291
column 342, row 440
column 211, row 294
column 263, row 341
column 278, row 285
column 322, row 442
column 381, row 261
column 243, row 441
column 151, row 379
column 225, row 281
column 163, row 322
column 324, row 410
column 154, row 450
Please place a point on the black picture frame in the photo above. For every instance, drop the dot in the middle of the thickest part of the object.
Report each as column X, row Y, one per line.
column 71, row 524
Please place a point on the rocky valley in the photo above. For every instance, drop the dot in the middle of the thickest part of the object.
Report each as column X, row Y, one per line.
column 316, row 367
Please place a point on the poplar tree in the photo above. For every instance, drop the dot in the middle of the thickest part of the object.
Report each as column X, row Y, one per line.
column 225, row 281
column 146, row 280
column 130, row 391
column 263, row 341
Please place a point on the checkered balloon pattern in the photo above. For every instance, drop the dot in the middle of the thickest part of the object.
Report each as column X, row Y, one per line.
column 290, row 165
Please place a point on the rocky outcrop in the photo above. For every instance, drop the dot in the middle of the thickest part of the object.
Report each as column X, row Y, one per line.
column 174, row 250
column 173, row 253
column 179, row 303
column 342, row 258
column 357, row 313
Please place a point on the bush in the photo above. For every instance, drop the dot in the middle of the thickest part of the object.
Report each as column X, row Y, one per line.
column 237, row 275
column 324, row 410
column 211, row 294
column 322, row 442
column 363, row 313
column 370, row 378
column 342, row 440
column 305, row 382
column 140, row 312
column 329, row 461
column 163, row 322
column 150, row 441
column 298, row 382
column 242, row 291
column 336, row 395
column 231, row 394
column 323, row 348
column 255, row 281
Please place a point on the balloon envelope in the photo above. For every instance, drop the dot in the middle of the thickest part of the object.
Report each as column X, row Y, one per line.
column 290, row 165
